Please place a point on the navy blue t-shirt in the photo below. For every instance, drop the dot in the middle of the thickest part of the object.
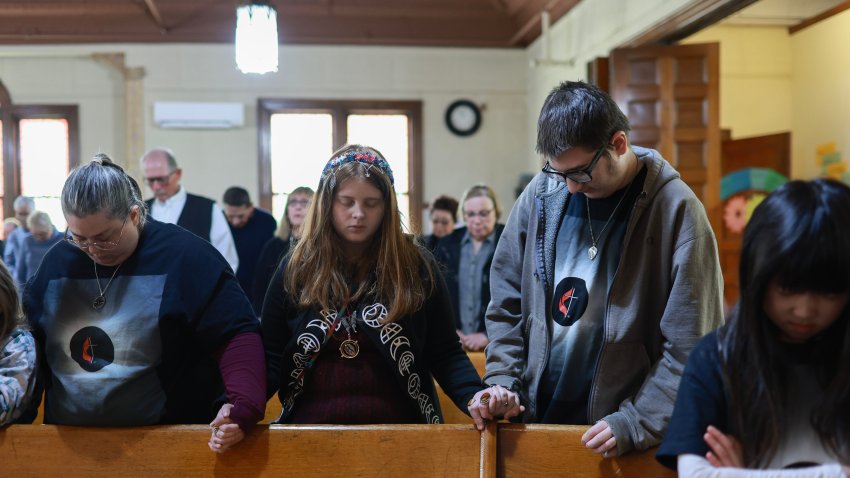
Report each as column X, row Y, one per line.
column 700, row 402
column 146, row 357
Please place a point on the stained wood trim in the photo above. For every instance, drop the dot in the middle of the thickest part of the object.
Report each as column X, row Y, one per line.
column 528, row 19
column 688, row 21
column 10, row 163
column 154, row 11
column 66, row 112
column 11, row 114
column 818, row 18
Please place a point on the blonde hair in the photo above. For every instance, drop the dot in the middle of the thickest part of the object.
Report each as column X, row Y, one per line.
column 284, row 230
column 10, row 306
column 481, row 190
column 393, row 270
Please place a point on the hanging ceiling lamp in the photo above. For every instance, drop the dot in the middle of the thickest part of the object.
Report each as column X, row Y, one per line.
column 256, row 37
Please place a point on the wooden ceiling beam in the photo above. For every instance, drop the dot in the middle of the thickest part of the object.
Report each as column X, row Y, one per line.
column 688, row 21
column 529, row 19
column 154, row 12
column 67, row 9
column 819, row 17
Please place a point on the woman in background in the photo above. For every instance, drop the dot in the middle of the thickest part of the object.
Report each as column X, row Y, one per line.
column 289, row 231
column 466, row 255
column 443, row 214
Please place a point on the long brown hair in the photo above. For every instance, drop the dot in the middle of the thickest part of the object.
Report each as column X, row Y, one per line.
column 10, row 307
column 393, row 270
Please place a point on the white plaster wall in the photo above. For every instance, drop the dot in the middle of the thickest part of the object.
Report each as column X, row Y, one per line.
column 213, row 160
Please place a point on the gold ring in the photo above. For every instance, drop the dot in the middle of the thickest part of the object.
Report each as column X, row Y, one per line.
column 485, row 398
column 215, row 432
column 470, row 402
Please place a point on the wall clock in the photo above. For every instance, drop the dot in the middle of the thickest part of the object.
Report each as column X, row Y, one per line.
column 463, row 117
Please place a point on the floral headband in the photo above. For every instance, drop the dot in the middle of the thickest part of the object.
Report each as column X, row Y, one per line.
column 362, row 156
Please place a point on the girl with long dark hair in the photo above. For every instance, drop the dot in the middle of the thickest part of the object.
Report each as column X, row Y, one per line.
column 771, row 388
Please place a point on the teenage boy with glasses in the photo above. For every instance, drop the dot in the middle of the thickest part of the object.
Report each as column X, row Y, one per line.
column 604, row 279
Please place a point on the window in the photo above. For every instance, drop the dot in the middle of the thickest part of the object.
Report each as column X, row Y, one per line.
column 40, row 146
column 297, row 137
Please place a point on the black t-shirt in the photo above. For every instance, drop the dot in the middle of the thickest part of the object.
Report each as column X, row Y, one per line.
column 146, row 356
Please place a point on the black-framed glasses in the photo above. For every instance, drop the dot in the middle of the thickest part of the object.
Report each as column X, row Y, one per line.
column 99, row 245
column 580, row 176
column 160, row 179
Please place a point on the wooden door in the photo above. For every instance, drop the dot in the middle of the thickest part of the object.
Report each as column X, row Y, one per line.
column 671, row 97
column 761, row 160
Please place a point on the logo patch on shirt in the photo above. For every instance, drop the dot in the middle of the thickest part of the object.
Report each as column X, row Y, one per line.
column 92, row 349
column 569, row 301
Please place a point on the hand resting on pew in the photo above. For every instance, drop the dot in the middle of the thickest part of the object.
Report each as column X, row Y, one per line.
column 494, row 403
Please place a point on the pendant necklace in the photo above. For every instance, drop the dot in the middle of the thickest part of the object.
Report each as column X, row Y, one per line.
column 591, row 253
column 349, row 347
column 100, row 300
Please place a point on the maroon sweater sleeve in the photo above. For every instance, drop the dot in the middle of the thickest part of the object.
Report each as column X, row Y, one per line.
column 243, row 368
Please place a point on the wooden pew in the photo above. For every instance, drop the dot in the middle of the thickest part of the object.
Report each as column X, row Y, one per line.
column 556, row 450
column 316, row 450
column 452, row 414
column 370, row 450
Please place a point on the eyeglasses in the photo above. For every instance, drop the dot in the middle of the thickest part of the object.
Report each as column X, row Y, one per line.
column 580, row 176
column 442, row 222
column 159, row 179
column 99, row 245
column 483, row 214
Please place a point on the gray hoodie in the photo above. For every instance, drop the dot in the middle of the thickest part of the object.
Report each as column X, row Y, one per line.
column 666, row 294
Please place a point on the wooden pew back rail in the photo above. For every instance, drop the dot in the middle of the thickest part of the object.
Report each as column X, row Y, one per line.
column 315, row 450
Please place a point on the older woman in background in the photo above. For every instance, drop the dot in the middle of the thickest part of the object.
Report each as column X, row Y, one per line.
column 466, row 254
column 33, row 248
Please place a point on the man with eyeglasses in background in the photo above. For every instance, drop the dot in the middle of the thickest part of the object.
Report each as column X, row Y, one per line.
column 172, row 204
column 605, row 278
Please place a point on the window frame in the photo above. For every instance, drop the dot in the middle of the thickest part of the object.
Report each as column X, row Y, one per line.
column 11, row 114
column 339, row 111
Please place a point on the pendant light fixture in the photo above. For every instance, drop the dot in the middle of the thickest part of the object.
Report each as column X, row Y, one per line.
column 256, row 37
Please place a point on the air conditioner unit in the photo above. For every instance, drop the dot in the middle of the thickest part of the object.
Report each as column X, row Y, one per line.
column 196, row 115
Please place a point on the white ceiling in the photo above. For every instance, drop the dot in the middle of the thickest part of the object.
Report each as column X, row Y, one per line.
column 780, row 12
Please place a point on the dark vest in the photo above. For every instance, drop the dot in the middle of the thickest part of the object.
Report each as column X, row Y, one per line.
column 196, row 216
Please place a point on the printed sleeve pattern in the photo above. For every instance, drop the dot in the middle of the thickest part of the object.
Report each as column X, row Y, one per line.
column 17, row 375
